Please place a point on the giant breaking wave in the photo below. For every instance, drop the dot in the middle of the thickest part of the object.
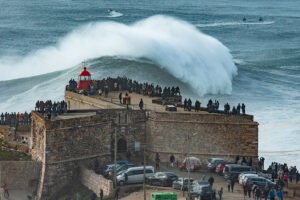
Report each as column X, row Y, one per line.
column 175, row 45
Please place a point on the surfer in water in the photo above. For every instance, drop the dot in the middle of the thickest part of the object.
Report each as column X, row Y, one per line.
column 261, row 19
column 244, row 19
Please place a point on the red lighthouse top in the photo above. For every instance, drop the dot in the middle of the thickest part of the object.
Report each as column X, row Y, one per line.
column 84, row 80
column 84, row 72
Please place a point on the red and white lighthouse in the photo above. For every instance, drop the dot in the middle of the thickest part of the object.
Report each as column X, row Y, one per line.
column 84, row 80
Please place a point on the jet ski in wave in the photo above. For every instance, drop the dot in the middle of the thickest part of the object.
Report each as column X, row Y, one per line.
column 113, row 13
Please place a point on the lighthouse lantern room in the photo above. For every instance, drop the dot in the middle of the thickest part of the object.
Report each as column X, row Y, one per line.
column 84, row 80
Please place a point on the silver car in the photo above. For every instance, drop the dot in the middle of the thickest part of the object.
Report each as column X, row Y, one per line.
column 134, row 175
column 182, row 183
column 259, row 181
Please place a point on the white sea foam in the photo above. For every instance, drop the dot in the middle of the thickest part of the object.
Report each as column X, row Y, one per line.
column 216, row 24
column 177, row 46
column 239, row 61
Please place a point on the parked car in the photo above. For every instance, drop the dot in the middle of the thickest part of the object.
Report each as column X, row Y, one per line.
column 213, row 162
column 109, row 169
column 122, row 162
column 182, row 183
column 200, row 183
column 232, row 171
column 243, row 176
column 134, row 175
column 191, row 163
column 259, row 181
column 162, row 178
column 219, row 169
column 124, row 167
column 171, row 107
column 203, row 192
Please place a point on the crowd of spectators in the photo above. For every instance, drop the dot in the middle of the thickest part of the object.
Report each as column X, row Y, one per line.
column 49, row 108
column 213, row 107
column 15, row 118
column 120, row 84
column 72, row 85
column 283, row 173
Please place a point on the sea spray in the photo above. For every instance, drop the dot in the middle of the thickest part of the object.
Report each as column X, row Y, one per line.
column 175, row 45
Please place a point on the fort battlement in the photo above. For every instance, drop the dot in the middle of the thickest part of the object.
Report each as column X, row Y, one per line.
column 87, row 132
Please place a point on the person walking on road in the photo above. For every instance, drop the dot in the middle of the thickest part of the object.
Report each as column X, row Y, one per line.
column 232, row 184
column 157, row 161
column 211, row 181
column 5, row 190
column 172, row 160
column 101, row 194
column 220, row 193
column 117, row 193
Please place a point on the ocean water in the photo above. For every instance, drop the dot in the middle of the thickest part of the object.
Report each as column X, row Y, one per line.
column 204, row 47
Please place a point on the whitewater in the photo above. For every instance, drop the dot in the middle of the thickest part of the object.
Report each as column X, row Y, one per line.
column 164, row 40
column 204, row 47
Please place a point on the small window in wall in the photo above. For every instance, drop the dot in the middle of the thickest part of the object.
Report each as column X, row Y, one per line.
column 137, row 146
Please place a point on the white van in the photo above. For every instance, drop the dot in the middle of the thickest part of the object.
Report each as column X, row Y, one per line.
column 134, row 175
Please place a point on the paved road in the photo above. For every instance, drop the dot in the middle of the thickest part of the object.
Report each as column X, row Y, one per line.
column 219, row 181
column 15, row 195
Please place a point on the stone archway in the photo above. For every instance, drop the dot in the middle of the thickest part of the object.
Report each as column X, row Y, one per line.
column 122, row 145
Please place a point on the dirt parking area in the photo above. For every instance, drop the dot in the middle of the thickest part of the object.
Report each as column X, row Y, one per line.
column 220, row 182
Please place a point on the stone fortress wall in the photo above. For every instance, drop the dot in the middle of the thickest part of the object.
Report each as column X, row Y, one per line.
column 201, row 135
column 216, row 135
column 64, row 145
column 23, row 175
column 77, row 138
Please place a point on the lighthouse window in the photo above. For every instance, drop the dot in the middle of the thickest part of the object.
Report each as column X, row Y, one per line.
column 84, row 78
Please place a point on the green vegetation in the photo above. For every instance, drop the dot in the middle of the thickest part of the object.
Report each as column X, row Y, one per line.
column 13, row 155
column 8, row 152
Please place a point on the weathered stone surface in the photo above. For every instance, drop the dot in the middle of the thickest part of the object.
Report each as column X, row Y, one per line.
column 203, row 135
column 94, row 182
column 66, row 143
column 20, row 175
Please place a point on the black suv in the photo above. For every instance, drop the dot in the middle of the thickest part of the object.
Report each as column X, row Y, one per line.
column 162, row 179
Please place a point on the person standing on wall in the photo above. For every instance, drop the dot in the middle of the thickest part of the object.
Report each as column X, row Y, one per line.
column 141, row 104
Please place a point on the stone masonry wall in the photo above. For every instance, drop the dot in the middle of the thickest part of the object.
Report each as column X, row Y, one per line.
column 64, row 145
column 20, row 175
column 78, row 101
column 202, row 135
column 95, row 181
column 38, row 134
column 69, row 143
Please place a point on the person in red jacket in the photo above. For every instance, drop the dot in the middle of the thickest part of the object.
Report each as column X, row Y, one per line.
column 5, row 189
